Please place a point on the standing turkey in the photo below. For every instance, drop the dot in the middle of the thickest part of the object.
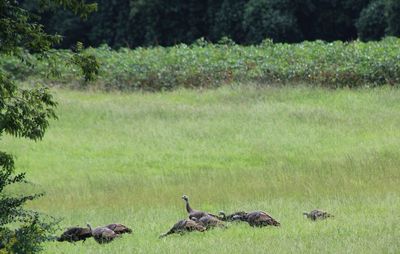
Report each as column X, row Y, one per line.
column 260, row 219
column 183, row 226
column 103, row 234
column 192, row 212
column 75, row 234
column 119, row 228
column 317, row 215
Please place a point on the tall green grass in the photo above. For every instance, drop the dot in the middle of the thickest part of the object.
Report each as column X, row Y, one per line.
column 336, row 64
column 128, row 158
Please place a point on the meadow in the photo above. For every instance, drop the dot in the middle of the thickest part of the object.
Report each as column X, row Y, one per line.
column 129, row 157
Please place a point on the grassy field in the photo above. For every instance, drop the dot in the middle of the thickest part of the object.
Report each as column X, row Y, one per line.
column 128, row 158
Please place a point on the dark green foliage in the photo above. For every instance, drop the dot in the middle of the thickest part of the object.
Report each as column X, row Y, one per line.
column 114, row 28
column 371, row 24
column 159, row 23
column 228, row 21
column 393, row 17
column 270, row 19
column 133, row 23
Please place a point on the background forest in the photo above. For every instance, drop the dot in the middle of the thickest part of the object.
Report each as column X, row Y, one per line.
column 133, row 23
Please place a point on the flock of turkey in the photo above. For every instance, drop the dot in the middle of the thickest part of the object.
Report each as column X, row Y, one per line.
column 196, row 221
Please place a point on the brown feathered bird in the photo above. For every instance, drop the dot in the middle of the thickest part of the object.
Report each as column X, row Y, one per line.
column 119, row 228
column 183, row 226
column 103, row 234
column 237, row 216
column 75, row 234
column 192, row 212
column 209, row 221
column 317, row 215
column 260, row 219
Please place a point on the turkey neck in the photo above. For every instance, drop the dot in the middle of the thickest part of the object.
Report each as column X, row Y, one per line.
column 188, row 208
column 90, row 228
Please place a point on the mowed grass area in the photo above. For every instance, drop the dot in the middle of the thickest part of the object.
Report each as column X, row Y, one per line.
column 128, row 158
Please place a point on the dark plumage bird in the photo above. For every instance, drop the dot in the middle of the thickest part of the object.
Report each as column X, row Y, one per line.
column 183, row 226
column 237, row 216
column 75, row 234
column 317, row 215
column 192, row 212
column 209, row 221
column 260, row 219
column 103, row 234
column 119, row 228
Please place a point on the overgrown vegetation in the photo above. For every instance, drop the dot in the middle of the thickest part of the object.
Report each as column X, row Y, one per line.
column 336, row 64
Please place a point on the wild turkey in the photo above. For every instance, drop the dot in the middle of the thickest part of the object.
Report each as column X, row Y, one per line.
column 119, row 228
column 260, row 219
column 103, row 234
column 183, row 226
column 209, row 221
column 194, row 213
column 75, row 234
column 317, row 215
column 238, row 216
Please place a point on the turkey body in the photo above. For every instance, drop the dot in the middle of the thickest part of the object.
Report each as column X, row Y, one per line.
column 103, row 234
column 119, row 228
column 75, row 234
column 209, row 221
column 260, row 219
column 183, row 226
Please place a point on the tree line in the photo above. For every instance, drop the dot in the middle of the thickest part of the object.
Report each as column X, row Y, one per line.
column 133, row 23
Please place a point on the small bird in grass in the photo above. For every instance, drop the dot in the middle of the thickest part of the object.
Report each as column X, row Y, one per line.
column 75, row 234
column 183, row 226
column 317, row 215
column 103, row 234
column 194, row 213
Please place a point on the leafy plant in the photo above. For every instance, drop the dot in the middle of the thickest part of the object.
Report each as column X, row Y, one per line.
column 203, row 64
